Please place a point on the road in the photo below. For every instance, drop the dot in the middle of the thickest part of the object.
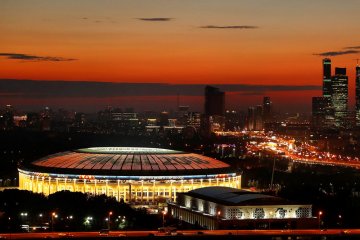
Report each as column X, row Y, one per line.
column 308, row 232
column 285, row 147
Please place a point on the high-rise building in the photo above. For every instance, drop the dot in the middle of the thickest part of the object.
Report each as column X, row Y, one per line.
column 233, row 120
column 255, row 118
column 183, row 115
column 267, row 109
column 326, row 77
column 194, row 119
column 214, row 117
column 45, row 119
column 7, row 118
column 258, row 117
column 251, row 119
column 164, row 118
column 339, row 96
column 320, row 111
column 357, row 94
column 214, row 101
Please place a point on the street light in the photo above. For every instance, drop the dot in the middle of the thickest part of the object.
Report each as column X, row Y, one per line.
column 272, row 175
column 53, row 215
column 320, row 214
column 340, row 219
column 109, row 219
column 24, row 216
column 163, row 218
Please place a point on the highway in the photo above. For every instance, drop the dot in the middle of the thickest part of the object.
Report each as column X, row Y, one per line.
column 117, row 234
column 285, row 147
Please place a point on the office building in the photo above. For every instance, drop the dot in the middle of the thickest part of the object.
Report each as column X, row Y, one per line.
column 267, row 109
column 258, row 118
column 321, row 107
column 251, row 119
column 357, row 95
column 214, row 101
column 326, row 77
column 255, row 118
column 214, row 117
column 339, row 96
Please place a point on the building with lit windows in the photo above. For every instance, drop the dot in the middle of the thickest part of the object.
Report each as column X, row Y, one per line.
column 267, row 109
column 141, row 176
column 357, row 96
column 321, row 112
column 259, row 123
column 339, row 96
column 255, row 118
column 225, row 208
column 327, row 88
column 214, row 117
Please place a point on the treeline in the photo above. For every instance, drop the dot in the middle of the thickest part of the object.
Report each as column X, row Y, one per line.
column 69, row 211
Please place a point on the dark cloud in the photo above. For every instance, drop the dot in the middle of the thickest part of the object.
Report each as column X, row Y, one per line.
column 98, row 20
column 27, row 57
column 252, row 93
column 336, row 53
column 67, row 89
column 352, row 47
column 229, row 27
column 157, row 19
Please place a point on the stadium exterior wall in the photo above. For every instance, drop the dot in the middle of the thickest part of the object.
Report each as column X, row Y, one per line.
column 136, row 189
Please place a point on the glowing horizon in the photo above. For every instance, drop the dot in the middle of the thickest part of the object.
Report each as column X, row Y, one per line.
column 179, row 42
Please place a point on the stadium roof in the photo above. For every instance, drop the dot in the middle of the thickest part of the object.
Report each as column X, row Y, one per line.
column 235, row 197
column 129, row 161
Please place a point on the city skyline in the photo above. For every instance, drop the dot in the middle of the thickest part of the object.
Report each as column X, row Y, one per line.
column 281, row 43
column 180, row 118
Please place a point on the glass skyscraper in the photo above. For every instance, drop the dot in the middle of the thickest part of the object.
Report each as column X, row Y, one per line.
column 357, row 95
column 326, row 77
column 339, row 96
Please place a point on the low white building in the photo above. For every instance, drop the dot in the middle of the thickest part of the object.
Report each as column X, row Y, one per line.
column 225, row 207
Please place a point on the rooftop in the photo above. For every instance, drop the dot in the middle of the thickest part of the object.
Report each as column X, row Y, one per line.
column 233, row 196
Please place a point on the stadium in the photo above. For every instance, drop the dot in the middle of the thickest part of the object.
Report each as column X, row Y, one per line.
column 143, row 176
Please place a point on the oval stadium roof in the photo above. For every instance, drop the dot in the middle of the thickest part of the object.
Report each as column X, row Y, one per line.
column 128, row 161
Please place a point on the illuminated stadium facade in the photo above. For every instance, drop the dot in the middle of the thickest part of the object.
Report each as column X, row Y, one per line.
column 137, row 175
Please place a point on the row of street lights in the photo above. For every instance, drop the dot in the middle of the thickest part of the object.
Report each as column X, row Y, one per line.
column 88, row 220
column 320, row 213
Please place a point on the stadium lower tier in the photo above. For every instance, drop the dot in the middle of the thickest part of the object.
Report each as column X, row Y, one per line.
column 147, row 192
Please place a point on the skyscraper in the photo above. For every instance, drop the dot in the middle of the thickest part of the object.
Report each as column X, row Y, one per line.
column 214, row 117
column 259, row 126
column 320, row 111
column 357, row 95
column 251, row 119
column 339, row 96
column 326, row 77
column 267, row 109
column 214, row 102
column 255, row 118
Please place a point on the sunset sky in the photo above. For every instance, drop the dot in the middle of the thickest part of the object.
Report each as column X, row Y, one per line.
column 253, row 42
